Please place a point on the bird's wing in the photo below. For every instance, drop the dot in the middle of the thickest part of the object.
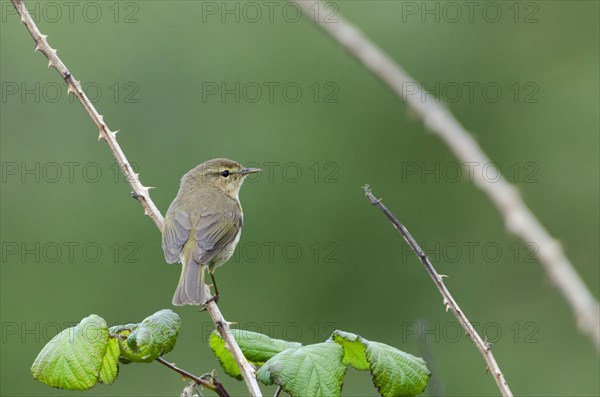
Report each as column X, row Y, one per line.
column 215, row 233
column 175, row 234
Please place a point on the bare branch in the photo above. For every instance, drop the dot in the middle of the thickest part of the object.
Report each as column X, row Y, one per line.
column 517, row 216
column 215, row 385
column 449, row 301
column 74, row 87
column 140, row 192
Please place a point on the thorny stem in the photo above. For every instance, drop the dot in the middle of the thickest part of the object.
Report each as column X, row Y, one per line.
column 140, row 192
column 215, row 385
column 449, row 301
column 518, row 218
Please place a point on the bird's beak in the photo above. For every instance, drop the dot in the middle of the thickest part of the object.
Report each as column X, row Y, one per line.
column 246, row 171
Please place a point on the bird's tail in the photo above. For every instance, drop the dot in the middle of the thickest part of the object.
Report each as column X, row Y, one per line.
column 191, row 289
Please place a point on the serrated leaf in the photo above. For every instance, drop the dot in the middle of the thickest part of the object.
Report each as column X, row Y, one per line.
column 396, row 373
column 314, row 370
column 152, row 338
column 110, row 363
column 354, row 349
column 73, row 359
column 256, row 347
column 217, row 345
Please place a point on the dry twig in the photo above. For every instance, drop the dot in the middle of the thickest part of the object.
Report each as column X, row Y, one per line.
column 214, row 385
column 449, row 301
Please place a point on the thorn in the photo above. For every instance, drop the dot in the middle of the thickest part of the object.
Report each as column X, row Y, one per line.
column 447, row 304
column 146, row 191
column 50, row 63
column 373, row 200
column 232, row 323
column 101, row 118
column 100, row 136
column 112, row 134
column 37, row 47
column 70, row 89
column 444, row 275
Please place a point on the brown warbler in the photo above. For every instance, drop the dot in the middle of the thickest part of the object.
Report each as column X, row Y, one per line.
column 203, row 225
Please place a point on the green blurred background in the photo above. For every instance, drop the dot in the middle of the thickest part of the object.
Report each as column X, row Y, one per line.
column 314, row 255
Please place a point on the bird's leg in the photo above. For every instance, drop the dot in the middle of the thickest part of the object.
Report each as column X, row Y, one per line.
column 215, row 298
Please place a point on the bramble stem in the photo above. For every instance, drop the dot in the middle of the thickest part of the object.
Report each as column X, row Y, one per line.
column 449, row 301
column 215, row 386
column 518, row 218
column 140, row 192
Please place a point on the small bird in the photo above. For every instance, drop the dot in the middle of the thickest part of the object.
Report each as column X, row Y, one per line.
column 203, row 225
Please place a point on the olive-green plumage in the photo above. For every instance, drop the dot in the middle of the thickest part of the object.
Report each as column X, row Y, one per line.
column 203, row 225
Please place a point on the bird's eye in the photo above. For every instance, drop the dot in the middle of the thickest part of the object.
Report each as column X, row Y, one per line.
column 225, row 174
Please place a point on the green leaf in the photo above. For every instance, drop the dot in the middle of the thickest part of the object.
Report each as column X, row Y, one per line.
column 110, row 363
column 354, row 349
column 121, row 333
column 257, row 348
column 73, row 359
column 152, row 338
column 122, row 329
column 314, row 370
column 217, row 344
column 319, row 369
column 396, row 373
